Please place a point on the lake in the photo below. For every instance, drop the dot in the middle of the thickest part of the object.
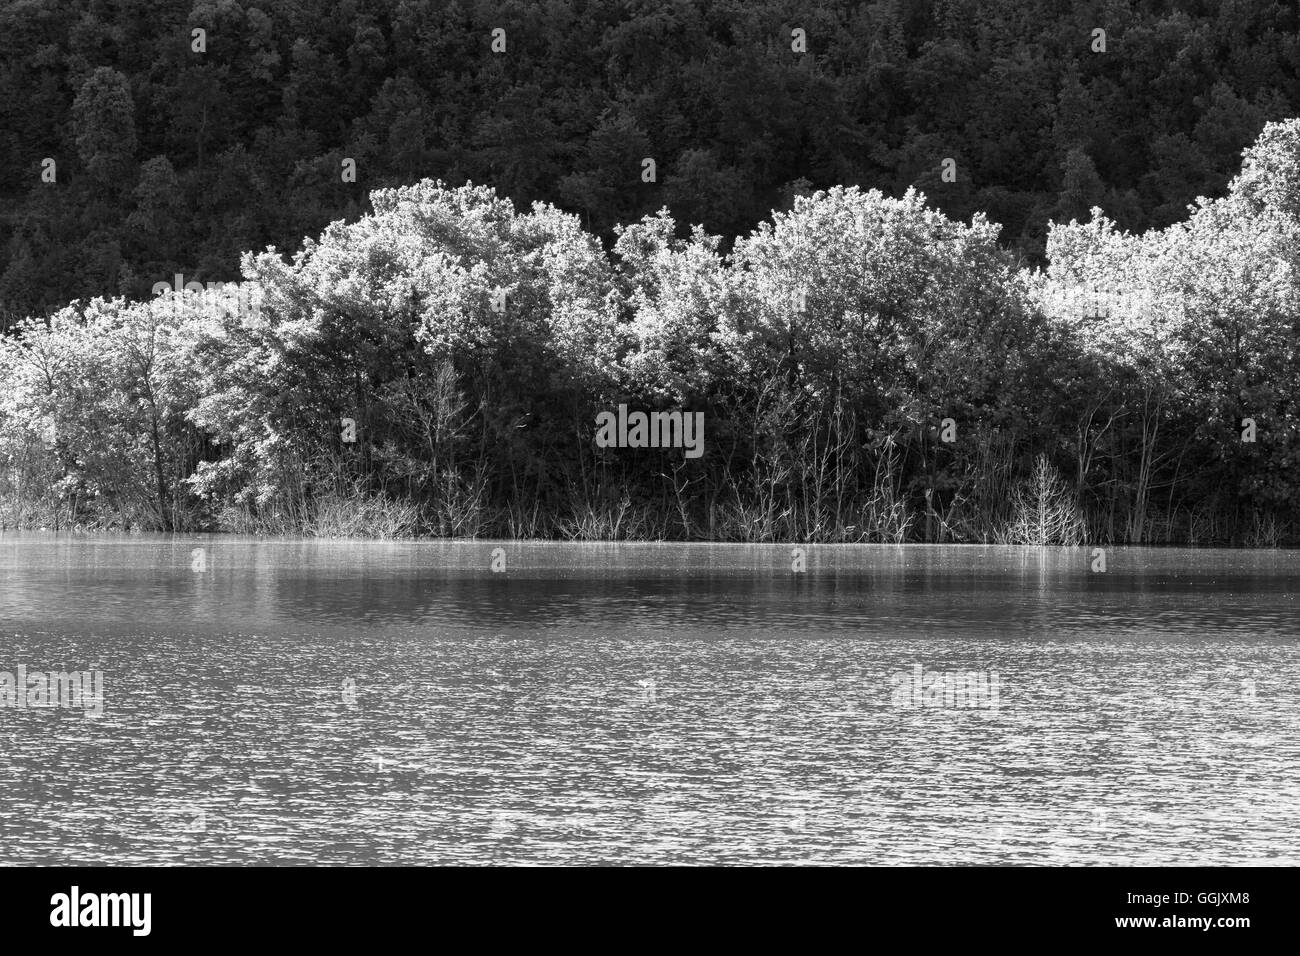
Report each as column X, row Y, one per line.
column 337, row 703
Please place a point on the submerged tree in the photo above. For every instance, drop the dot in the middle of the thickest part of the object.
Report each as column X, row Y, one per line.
column 1044, row 510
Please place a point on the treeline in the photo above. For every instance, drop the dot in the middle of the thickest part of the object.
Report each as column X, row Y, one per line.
column 868, row 368
column 169, row 159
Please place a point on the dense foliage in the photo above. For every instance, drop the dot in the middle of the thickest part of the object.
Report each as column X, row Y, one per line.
column 880, row 351
column 868, row 369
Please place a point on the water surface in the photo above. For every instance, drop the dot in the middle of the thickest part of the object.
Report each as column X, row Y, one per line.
column 316, row 702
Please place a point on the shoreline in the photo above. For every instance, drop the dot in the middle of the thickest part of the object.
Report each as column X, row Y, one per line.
column 110, row 534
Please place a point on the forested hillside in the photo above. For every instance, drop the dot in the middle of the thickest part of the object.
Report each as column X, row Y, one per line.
column 958, row 271
column 172, row 161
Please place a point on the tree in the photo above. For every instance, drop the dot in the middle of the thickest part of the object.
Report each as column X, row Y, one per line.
column 104, row 118
column 1081, row 187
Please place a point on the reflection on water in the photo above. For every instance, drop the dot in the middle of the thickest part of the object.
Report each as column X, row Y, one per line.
column 374, row 702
